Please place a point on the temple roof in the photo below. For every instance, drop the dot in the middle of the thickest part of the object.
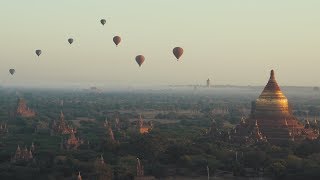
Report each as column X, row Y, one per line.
column 272, row 89
column 271, row 102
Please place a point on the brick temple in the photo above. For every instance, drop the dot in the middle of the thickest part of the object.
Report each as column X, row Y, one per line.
column 23, row 110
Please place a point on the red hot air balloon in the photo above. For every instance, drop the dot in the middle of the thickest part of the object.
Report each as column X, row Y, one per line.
column 177, row 51
column 12, row 71
column 116, row 40
column 140, row 59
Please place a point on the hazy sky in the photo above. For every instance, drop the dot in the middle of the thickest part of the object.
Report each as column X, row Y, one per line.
column 230, row 41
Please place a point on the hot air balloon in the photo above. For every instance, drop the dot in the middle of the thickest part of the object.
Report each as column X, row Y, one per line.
column 103, row 21
column 116, row 40
column 140, row 59
column 38, row 52
column 12, row 71
column 177, row 51
column 70, row 40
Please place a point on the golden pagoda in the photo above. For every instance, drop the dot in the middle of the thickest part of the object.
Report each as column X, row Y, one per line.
column 271, row 118
column 272, row 101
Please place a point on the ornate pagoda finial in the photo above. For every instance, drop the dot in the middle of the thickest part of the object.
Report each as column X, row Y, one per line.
column 272, row 74
column 61, row 115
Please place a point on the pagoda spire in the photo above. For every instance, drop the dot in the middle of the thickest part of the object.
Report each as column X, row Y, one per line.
column 117, row 124
column 286, row 122
column 272, row 75
column 140, row 168
column 256, row 132
column 242, row 120
column 72, row 135
column 307, row 124
column 111, row 135
column 101, row 159
column 32, row 148
column 272, row 84
column 79, row 176
column 140, row 121
column 18, row 148
column 61, row 115
column 30, row 154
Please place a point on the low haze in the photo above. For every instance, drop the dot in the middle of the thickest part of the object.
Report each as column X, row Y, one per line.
column 231, row 42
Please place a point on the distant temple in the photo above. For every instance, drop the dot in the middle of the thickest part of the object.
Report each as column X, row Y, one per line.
column 60, row 127
column 144, row 127
column 95, row 89
column 72, row 143
column 140, row 172
column 140, row 168
column 102, row 170
column 272, row 120
column 3, row 129
column 208, row 82
column 220, row 111
column 117, row 124
column 110, row 134
column 100, row 161
column 23, row 155
column 213, row 130
column 23, row 110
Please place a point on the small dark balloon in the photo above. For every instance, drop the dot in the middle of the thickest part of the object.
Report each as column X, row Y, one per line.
column 177, row 51
column 116, row 40
column 140, row 59
column 103, row 21
column 12, row 71
column 38, row 52
column 70, row 40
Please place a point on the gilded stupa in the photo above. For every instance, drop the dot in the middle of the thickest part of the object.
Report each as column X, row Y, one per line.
column 272, row 101
column 272, row 118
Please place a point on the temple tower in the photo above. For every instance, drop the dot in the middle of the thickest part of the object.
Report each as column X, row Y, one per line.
column 271, row 117
column 208, row 82
column 23, row 110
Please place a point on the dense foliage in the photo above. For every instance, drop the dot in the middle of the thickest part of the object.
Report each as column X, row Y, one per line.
column 178, row 145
